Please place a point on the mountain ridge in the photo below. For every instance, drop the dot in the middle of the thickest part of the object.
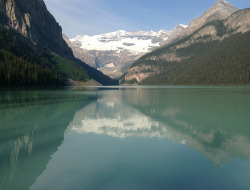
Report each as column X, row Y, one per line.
column 220, row 10
column 176, row 57
column 32, row 19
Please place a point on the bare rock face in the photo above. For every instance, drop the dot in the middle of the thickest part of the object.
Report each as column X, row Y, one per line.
column 239, row 22
column 32, row 19
column 18, row 20
column 79, row 53
column 219, row 11
column 137, row 74
column 112, row 63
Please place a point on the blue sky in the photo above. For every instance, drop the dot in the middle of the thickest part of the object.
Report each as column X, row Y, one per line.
column 92, row 17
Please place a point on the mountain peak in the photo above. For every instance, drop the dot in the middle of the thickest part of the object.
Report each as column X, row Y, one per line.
column 219, row 11
column 221, row 1
column 224, row 6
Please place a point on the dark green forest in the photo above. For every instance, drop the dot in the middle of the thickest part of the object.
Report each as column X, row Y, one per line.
column 24, row 64
column 212, row 63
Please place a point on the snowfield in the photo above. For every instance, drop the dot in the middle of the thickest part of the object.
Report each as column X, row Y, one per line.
column 135, row 42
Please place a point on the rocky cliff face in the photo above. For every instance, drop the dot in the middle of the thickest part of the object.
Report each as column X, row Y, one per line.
column 238, row 22
column 80, row 53
column 219, row 11
column 32, row 19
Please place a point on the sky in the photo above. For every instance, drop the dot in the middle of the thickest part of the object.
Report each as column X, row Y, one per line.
column 93, row 17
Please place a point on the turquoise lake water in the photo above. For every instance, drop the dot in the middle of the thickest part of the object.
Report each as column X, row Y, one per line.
column 143, row 138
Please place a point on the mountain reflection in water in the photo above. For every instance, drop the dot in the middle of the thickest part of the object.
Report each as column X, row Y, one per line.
column 213, row 121
column 130, row 138
column 32, row 126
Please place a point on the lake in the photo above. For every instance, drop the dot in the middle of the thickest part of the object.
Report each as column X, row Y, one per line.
column 123, row 138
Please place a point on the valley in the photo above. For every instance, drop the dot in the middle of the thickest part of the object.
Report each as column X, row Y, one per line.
column 118, row 95
column 112, row 53
column 212, row 50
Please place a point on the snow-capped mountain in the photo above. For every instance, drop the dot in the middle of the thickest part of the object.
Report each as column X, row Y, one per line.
column 113, row 52
column 134, row 42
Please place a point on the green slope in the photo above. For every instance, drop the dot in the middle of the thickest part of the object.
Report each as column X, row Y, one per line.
column 23, row 64
column 70, row 68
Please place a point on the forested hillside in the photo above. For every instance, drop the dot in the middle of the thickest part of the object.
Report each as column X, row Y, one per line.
column 216, row 62
column 23, row 64
column 218, row 53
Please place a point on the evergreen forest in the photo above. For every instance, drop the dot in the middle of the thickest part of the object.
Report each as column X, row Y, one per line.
column 25, row 64
column 225, row 62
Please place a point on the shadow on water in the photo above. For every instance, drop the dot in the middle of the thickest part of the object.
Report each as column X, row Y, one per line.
column 32, row 127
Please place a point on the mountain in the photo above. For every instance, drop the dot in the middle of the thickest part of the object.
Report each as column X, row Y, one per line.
column 215, row 53
column 80, row 53
column 41, row 38
column 219, row 11
column 112, row 53
column 32, row 19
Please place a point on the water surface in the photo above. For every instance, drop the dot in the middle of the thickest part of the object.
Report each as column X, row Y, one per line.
column 125, row 138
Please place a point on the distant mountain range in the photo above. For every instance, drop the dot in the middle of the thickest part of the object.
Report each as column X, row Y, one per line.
column 113, row 52
column 213, row 49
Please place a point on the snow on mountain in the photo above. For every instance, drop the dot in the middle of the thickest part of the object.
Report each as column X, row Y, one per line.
column 112, row 53
column 183, row 25
column 134, row 42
